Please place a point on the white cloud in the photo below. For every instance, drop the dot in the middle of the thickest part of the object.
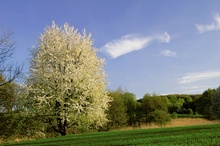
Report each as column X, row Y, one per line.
column 210, row 27
column 198, row 76
column 164, row 38
column 131, row 43
column 168, row 53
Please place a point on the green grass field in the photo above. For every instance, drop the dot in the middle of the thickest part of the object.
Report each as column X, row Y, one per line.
column 192, row 135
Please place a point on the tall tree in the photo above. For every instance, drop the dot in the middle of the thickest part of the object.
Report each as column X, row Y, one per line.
column 117, row 111
column 8, row 101
column 130, row 103
column 215, row 103
column 67, row 85
column 204, row 103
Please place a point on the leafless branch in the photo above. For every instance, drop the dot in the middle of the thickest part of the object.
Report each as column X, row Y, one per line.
column 9, row 71
column 6, row 47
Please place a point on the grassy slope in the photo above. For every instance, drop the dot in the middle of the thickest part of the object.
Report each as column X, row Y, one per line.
column 192, row 135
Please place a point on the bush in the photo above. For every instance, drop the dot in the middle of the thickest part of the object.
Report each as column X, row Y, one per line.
column 159, row 117
column 174, row 115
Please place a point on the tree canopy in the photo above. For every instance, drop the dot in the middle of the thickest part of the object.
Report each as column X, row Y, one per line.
column 67, row 85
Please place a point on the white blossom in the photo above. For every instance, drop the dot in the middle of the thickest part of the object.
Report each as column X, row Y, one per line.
column 67, row 79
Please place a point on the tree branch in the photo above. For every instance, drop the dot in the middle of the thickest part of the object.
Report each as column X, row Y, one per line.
column 9, row 72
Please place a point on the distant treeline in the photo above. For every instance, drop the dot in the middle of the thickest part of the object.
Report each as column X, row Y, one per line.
column 126, row 110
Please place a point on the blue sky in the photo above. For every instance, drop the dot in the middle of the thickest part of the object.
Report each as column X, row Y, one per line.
column 150, row 46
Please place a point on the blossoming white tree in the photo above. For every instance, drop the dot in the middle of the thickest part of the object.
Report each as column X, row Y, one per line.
column 67, row 83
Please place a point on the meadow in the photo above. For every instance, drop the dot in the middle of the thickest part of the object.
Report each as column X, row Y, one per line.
column 186, row 135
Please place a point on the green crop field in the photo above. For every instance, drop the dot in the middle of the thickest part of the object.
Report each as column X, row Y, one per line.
column 192, row 135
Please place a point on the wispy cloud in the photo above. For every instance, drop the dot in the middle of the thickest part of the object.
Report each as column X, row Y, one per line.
column 215, row 25
column 198, row 76
column 194, row 89
column 131, row 43
column 168, row 53
column 164, row 38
